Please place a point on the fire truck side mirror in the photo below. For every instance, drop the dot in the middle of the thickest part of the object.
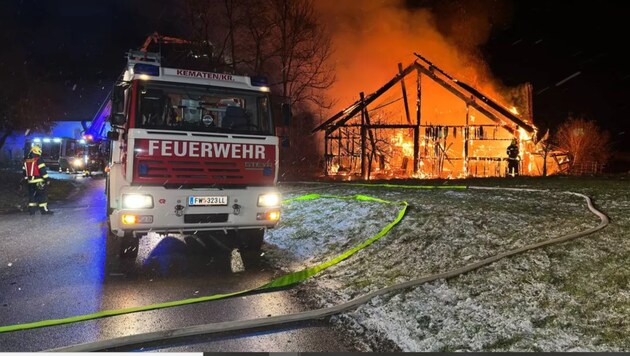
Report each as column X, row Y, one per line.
column 118, row 99
column 118, row 119
column 113, row 135
column 286, row 114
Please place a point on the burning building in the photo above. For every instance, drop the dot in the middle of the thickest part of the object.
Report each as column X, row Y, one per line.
column 424, row 123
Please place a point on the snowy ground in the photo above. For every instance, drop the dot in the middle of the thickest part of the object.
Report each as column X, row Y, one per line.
column 569, row 297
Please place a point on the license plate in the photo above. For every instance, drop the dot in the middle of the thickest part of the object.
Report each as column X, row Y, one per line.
column 205, row 201
column 145, row 219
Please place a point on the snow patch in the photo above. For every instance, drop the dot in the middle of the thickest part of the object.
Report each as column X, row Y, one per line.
column 525, row 303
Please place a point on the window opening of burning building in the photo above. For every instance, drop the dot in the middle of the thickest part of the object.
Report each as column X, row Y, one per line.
column 424, row 123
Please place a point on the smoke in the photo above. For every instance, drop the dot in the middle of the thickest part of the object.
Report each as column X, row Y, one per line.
column 372, row 37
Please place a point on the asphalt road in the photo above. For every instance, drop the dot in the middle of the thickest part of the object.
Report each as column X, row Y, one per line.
column 62, row 265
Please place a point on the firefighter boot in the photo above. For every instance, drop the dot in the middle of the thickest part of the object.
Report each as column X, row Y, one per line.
column 44, row 210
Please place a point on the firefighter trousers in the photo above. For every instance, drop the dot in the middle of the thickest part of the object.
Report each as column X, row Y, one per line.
column 37, row 198
column 513, row 167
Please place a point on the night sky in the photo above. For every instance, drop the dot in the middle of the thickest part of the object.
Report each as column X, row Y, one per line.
column 571, row 51
column 77, row 46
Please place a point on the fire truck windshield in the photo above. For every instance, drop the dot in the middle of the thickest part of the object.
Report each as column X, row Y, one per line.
column 196, row 108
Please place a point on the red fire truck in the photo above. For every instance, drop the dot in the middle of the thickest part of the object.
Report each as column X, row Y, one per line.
column 192, row 152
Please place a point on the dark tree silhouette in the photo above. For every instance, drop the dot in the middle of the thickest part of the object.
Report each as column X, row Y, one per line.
column 280, row 39
column 584, row 141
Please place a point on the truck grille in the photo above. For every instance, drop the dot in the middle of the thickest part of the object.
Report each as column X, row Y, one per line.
column 179, row 170
column 164, row 162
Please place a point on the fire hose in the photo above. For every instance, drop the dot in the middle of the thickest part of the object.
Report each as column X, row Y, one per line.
column 296, row 277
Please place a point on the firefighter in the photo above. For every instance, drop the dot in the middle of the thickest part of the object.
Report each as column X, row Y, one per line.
column 36, row 176
column 513, row 158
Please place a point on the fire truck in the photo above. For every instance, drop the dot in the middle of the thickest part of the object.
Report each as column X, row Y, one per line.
column 87, row 158
column 191, row 152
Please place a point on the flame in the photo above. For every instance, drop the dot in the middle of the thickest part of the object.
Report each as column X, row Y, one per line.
column 377, row 35
column 407, row 148
column 524, row 134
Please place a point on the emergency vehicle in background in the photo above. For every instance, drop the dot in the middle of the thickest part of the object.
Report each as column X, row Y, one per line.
column 87, row 158
column 191, row 152
column 92, row 156
column 55, row 150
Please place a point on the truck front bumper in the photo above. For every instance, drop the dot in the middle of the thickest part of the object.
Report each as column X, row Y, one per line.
column 172, row 213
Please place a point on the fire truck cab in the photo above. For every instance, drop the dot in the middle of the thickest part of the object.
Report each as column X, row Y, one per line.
column 192, row 152
column 87, row 158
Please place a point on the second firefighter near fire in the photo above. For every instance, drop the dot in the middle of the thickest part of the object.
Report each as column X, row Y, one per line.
column 513, row 158
column 36, row 177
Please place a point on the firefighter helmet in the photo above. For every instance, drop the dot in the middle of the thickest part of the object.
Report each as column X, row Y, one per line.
column 36, row 150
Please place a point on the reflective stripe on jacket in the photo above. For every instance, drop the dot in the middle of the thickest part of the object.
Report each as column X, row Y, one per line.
column 34, row 171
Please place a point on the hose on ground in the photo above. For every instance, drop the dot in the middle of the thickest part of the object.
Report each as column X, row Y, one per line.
column 239, row 325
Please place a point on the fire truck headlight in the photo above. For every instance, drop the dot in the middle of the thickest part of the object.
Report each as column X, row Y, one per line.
column 269, row 199
column 137, row 201
column 77, row 162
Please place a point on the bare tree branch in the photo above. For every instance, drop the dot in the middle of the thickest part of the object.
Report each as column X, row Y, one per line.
column 584, row 141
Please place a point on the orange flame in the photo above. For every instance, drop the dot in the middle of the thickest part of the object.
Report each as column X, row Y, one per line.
column 372, row 37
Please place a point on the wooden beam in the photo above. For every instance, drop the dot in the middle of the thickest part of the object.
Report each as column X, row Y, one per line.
column 479, row 95
column 416, row 130
column 326, row 170
column 355, row 108
column 404, row 93
column 469, row 101
column 363, row 143
column 382, row 126
column 466, row 132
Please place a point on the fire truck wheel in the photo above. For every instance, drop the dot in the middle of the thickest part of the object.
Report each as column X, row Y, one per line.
column 129, row 246
column 252, row 240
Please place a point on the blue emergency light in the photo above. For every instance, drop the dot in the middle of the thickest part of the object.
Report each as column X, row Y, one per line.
column 260, row 81
column 148, row 69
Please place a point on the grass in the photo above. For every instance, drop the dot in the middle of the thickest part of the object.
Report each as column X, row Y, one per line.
column 505, row 344
column 59, row 190
column 14, row 196
column 572, row 291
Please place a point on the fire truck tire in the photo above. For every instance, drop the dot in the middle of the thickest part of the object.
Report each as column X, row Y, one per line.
column 252, row 240
column 129, row 246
